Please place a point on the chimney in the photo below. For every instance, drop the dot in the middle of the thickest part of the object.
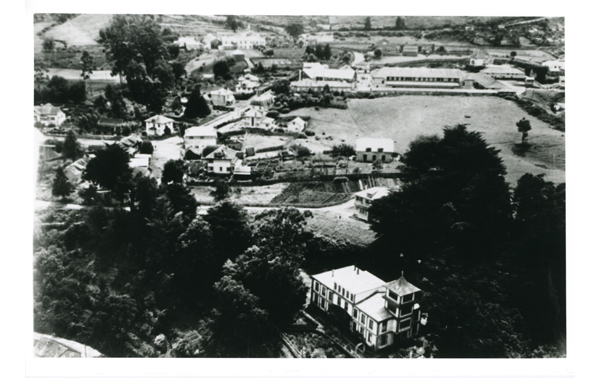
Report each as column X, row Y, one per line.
column 332, row 272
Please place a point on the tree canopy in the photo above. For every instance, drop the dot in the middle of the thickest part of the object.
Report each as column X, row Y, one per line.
column 294, row 30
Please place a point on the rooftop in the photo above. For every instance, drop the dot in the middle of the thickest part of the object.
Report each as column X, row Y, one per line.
column 375, row 143
column 47, row 109
column 222, row 153
column 160, row 119
column 373, row 193
column 480, row 54
column 320, row 71
column 350, row 278
column 374, row 307
column 504, row 68
column 417, row 72
column 402, row 287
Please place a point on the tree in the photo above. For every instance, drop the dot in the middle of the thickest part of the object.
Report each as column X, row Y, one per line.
column 400, row 23
column 173, row 171
column 232, row 23
column 368, row 23
column 196, row 106
column 524, row 127
column 221, row 69
column 173, row 51
column 40, row 73
column 294, row 30
column 513, row 54
column 269, row 52
column 87, row 67
column 108, row 166
column 229, row 226
column 377, row 53
column 281, row 87
column 72, row 149
column 221, row 191
column 326, row 52
column 48, row 44
column 301, row 151
column 344, row 150
column 61, row 185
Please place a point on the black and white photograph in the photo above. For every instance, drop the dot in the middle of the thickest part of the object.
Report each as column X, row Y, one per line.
column 299, row 186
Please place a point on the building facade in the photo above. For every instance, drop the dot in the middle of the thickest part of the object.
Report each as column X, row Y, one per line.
column 222, row 97
column 410, row 77
column 48, row 115
column 158, row 124
column 197, row 138
column 380, row 313
column 364, row 199
column 374, row 149
column 503, row 72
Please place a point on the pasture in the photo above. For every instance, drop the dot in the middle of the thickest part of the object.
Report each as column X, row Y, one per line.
column 404, row 118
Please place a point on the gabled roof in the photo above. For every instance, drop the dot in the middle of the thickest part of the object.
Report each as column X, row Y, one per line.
column 480, row 54
column 374, row 144
column 160, row 119
column 319, row 71
column 222, row 153
column 350, row 278
column 374, row 307
column 402, row 287
column 417, row 72
column 47, row 109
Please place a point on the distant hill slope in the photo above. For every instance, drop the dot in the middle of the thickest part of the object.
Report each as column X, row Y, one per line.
column 81, row 30
column 411, row 22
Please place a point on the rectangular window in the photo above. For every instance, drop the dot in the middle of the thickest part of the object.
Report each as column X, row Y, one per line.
column 365, row 157
column 362, row 318
column 355, row 313
column 371, row 324
column 343, row 291
column 383, row 158
column 346, row 306
column 404, row 324
column 369, row 337
column 384, row 326
column 374, row 157
column 331, row 296
column 393, row 295
column 352, row 297
column 220, row 169
column 368, row 149
column 335, row 287
column 339, row 301
column 323, row 290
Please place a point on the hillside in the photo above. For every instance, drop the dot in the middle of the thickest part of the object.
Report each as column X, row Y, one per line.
column 81, row 30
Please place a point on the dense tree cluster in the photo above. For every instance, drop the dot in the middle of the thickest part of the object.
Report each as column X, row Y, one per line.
column 458, row 227
column 318, row 52
column 59, row 90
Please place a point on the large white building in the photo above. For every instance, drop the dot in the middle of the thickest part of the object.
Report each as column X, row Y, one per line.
column 418, row 77
column 197, row 138
column 48, row 115
column 242, row 41
column 374, row 149
column 380, row 313
column 503, row 71
column 222, row 97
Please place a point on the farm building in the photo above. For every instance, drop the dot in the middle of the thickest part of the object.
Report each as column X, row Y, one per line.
column 197, row 138
column 410, row 50
column 555, row 67
column 479, row 58
column 296, row 125
column 374, row 149
column 503, row 71
column 222, row 160
column 222, row 97
column 411, row 77
column 364, row 199
column 158, row 124
column 189, row 43
column 380, row 313
column 48, row 115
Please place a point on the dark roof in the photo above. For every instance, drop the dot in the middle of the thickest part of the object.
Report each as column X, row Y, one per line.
column 402, row 287
column 250, row 151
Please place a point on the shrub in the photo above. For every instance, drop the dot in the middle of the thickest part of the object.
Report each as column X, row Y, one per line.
column 309, row 133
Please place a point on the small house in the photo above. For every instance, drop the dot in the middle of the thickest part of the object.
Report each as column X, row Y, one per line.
column 374, row 149
column 410, row 50
column 222, row 97
column 504, row 71
column 197, row 138
column 222, row 161
column 364, row 199
column 238, row 55
column 189, row 43
column 158, row 125
column 296, row 125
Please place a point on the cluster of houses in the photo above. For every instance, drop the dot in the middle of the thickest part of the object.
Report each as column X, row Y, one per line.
column 380, row 313
column 243, row 40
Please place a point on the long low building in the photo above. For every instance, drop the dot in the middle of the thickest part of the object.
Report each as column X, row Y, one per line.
column 323, row 73
column 420, row 77
column 307, row 84
column 503, row 71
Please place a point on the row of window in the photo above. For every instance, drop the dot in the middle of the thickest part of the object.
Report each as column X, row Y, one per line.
column 368, row 149
column 344, row 293
column 436, row 79
column 405, row 299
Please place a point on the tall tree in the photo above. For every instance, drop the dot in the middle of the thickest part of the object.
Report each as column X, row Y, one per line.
column 61, row 185
column 173, row 171
column 368, row 23
column 109, row 164
column 87, row 67
column 72, row 149
column 196, row 106
column 294, row 30
column 524, row 127
column 400, row 23
column 229, row 226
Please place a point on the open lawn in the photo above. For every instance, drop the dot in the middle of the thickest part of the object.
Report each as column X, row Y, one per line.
column 164, row 150
column 341, row 227
column 404, row 118
column 263, row 141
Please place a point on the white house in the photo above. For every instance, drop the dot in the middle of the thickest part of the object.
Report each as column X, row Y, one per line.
column 197, row 138
column 158, row 124
column 374, row 149
column 503, row 71
column 480, row 58
column 364, row 199
column 222, row 97
column 222, row 161
column 296, row 125
column 48, row 115
column 242, row 41
column 380, row 313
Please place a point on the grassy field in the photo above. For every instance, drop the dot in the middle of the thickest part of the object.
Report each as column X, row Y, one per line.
column 263, row 141
column 341, row 228
column 81, row 30
column 404, row 118
column 250, row 194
